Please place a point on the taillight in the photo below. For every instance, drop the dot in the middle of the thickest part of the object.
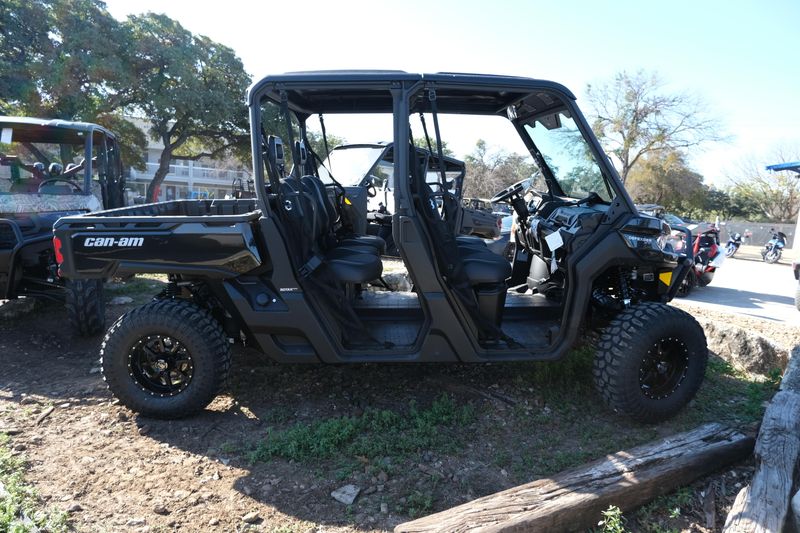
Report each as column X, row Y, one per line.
column 57, row 249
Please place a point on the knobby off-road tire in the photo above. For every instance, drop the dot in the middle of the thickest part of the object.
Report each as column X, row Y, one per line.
column 650, row 361
column 797, row 297
column 86, row 306
column 200, row 349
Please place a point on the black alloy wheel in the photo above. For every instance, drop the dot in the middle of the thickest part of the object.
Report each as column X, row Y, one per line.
column 663, row 368
column 160, row 365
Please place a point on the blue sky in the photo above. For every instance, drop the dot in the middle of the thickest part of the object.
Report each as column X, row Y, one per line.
column 741, row 57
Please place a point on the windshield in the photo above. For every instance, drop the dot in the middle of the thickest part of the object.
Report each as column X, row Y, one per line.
column 568, row 156
column 350, row 164
column 27, row 161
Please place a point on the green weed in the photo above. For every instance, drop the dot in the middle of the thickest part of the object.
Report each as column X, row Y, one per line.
column 376, row 433
column 19, row 508
column 613, row 521
column 419, row 504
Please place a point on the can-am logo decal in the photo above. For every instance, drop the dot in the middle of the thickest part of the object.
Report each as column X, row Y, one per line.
column 113, row 241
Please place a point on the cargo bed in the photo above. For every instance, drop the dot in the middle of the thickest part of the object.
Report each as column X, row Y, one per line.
column 210, row 238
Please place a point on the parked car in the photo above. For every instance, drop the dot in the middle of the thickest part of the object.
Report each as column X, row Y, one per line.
column 48, row 169
column 277, row 272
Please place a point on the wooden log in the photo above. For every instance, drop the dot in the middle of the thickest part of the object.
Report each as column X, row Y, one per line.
column 573, row 499
column 763, row 506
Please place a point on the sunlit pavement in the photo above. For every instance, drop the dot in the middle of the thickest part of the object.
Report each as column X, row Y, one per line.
column 748, row 286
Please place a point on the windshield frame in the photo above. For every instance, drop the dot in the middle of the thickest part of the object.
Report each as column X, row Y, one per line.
column 552, row 180
column 85, row 133
column 381, row 150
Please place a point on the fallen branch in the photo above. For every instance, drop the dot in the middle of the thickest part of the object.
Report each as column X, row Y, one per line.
column 47, row 412
column 574, row 499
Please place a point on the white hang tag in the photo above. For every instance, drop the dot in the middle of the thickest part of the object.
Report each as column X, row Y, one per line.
column 554, row 241
column 553, row 263
column 5, row 136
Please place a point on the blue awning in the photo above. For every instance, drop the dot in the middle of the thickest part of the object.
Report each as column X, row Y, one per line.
column 786, row 166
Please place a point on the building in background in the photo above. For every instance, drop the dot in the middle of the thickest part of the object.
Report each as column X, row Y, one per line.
column 204, row 178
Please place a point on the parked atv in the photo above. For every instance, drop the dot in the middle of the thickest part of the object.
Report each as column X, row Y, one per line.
column 708, row 256
column 48, row 169
column 284, row 275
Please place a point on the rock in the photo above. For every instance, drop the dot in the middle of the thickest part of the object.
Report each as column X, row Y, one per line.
column 428, row 470
column 180, row 494
column 251, row 518
column 397, row 281
column 384, row 508
column 135, row 522
column 213, row 522
column 95, row 370
column 120, row 300
column 160, row 509
column 383, row 477
column 266, row 491
column 346, row 494
column 370, row 490
column 3, row 492
column 10, row 309
column 74, row 508
column 745, row 350
column 247, row 490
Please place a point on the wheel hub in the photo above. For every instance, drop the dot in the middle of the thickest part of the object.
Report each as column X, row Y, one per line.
column 160, row 365
column 664, row 368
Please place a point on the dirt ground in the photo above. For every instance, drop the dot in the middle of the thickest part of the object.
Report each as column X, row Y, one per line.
column 267, row 454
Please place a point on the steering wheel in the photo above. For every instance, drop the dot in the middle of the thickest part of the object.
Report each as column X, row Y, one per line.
column 75, row 186
column 514, row 190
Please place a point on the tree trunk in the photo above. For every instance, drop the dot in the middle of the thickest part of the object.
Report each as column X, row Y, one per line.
column 574, row 499
column 161, row 172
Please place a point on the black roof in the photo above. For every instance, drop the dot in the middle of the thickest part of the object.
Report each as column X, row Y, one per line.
column 367, row 91
column 27, row 129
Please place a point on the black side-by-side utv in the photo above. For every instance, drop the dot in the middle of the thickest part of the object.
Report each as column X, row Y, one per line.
column 49, row 169
column 287, row 275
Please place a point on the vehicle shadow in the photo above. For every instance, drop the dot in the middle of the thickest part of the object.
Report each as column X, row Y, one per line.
column 736, row 298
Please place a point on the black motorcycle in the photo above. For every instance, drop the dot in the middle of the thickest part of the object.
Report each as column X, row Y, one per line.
column 734, row 242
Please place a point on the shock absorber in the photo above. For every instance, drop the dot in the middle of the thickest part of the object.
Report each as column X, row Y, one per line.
column 624, row 288
column 172, row 290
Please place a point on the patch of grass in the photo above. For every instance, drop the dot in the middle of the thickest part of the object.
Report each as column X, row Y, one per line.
column 652, row 516
column 376, row 433
column 20, row 510
column 135, row 286
column 419, row 503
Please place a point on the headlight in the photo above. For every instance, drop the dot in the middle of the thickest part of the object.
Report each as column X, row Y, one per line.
column 640, row 241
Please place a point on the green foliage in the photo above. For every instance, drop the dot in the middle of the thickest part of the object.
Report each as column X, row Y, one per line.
column 633, row 116
column 772, row 196
column 613, row 521
column 419, row 504
column 376, row 433
column 189, row 88
column 664, row 178
column 62, row 59
column 19, row 510
column 491, row 171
